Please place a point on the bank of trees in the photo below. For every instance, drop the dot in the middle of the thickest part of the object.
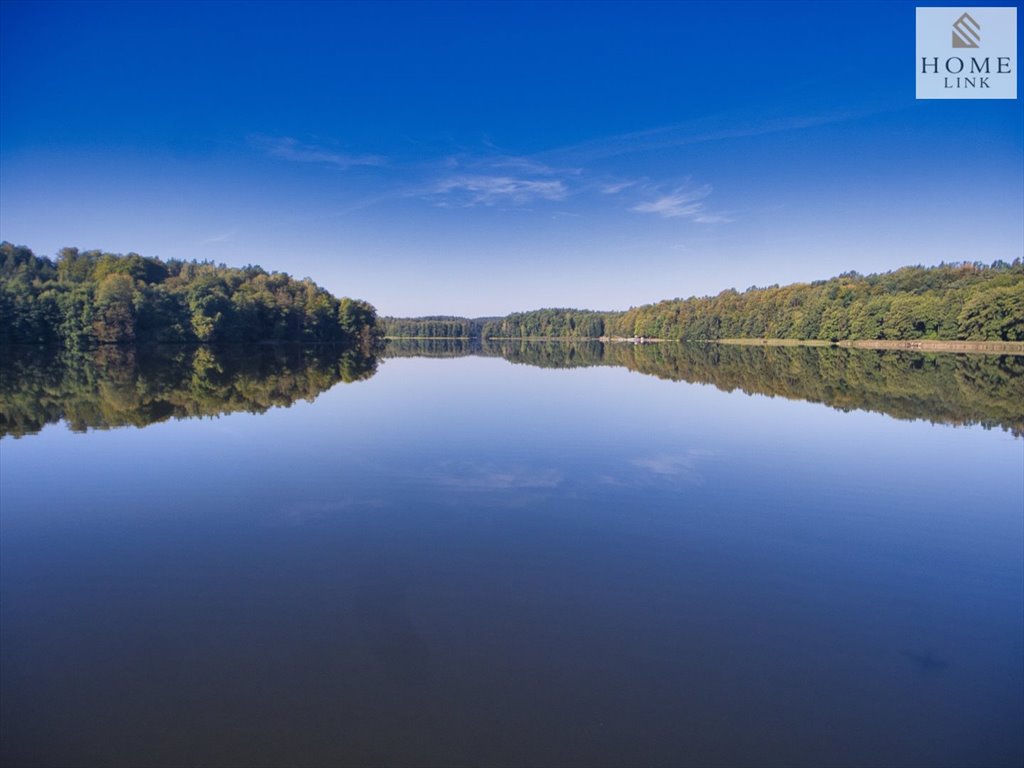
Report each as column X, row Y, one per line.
column 950, row 301
column 547, row 323
column 540, row 324
column 431, row 327
column 969, row 301
column 85, row 298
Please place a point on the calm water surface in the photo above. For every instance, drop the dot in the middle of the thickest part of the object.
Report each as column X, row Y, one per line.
column 466, row 562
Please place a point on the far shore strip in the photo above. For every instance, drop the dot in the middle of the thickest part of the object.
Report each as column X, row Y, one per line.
column 914, row 345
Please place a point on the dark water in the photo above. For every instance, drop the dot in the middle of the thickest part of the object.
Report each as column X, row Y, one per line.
column 466, row 562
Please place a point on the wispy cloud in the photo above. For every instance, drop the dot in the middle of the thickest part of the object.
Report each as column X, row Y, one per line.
column 472, row 190
column 614, row 187
column 498, row 178
column 288, row 148
column 709, row 128
column 223, row 237
column 683, row 203
column 528, row 166
column 503, row 179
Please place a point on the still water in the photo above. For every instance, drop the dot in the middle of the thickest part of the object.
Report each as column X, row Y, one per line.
column 599, row 557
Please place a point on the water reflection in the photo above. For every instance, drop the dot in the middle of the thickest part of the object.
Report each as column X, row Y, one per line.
column 117, row 386
column 120, row 386
column 940, row 388
column 466, row 563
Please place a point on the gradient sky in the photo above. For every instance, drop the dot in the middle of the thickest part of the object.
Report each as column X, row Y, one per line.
column 482, row 158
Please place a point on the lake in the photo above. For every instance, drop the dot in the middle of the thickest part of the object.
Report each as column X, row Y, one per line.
column 512, row 554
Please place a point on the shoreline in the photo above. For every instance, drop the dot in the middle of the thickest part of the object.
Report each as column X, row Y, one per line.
column 912, row 345
column 909, row 345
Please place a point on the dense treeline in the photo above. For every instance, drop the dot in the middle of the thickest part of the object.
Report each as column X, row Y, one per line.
column 548, row 324
column 85, row 298
column 959, row 301
column 942, row 388
column 434, row 327
column 970, row 302
column 127, row 385
column 542, row 323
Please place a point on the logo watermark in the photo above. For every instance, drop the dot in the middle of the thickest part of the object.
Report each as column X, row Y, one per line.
column 966, row 32
column 945, row 70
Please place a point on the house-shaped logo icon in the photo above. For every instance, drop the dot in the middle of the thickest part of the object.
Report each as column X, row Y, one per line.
column 966, row 32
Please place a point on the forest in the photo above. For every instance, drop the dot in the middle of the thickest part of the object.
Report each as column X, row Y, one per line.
column 432, row 327
column 541, row 323
column 965, row 301
column 87, row 298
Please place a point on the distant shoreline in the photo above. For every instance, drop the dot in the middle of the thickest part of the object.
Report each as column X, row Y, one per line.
column 912, row 345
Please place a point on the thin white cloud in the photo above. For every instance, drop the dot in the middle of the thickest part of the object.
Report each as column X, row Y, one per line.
column 718, row 127
column 472, row 161
column 614, row 187
column 288, row 148
column 472, row 190
column 502, row 180
column 526, row 165
column 223, row 237
column 683, row 203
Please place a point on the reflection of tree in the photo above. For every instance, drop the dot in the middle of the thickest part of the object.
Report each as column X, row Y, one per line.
column 577, row 354
column 139, row 385
column 116, row 386
column 944, row 388
column 952, row 389
column 431, row 347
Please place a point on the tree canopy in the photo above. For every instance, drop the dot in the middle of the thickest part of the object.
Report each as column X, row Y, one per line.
column 971, row 302
column 85, row 298
column 968, row 301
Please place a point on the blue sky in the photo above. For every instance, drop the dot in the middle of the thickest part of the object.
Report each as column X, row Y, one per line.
column 483, row 158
